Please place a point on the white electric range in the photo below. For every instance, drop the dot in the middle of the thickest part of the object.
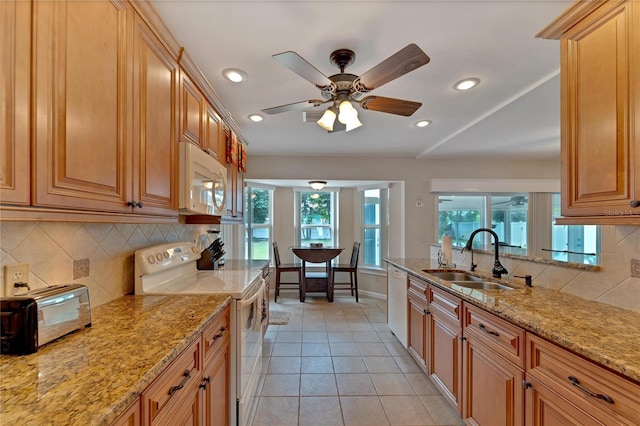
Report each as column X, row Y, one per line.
column 170, row 269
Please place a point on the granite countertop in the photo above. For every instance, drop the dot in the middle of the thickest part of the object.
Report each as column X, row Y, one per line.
column 91, row 376
column 608, row 335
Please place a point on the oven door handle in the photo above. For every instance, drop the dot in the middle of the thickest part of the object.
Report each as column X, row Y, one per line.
column 242, row 303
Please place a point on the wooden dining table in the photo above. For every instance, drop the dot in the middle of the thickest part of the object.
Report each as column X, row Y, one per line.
column 315, row 282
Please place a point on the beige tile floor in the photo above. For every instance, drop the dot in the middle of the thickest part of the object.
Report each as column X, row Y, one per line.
column 338, row 364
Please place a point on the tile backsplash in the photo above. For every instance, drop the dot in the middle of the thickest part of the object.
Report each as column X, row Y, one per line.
column 615, row 284
column 99, row 255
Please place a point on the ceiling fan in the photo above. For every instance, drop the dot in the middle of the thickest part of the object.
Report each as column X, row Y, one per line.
column 516, row 200
column 342, row 90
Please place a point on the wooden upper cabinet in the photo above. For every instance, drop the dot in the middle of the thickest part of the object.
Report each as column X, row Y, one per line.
column 155, row 101
column 600, row 104
column 213, row 133
column 15, row 93
column 192, row 112
column 81, row 88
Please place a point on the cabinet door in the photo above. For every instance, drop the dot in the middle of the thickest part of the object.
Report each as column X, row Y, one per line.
column 192, row 104
column 82, row 98
column 213, row 133
column 493, row 393
column 216, row 384
column 599, row 79
column 15, row 93
column 417, row 344
column 155, row 88
column 445, row 356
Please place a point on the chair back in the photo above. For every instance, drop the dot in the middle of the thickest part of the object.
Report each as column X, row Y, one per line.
column 354, row 255
column 276, row 254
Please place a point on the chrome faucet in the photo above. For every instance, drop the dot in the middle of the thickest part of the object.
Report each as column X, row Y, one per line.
column 498, row 270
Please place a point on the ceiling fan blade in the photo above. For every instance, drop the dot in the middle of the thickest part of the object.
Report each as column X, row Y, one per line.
column 304, row 69
column 294, row 106
column 390, row 105
column 405, row 60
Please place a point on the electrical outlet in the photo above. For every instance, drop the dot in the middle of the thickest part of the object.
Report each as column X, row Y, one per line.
column 16, row 273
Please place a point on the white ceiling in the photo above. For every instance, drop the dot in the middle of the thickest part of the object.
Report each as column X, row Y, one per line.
column 513, row 113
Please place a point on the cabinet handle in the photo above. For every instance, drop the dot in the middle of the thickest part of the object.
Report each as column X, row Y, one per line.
column 635, row 203
column 526, row 385
column 483, row 328
column 186, row 376
column 462, row 338
column 575, row 382
column 205, row 380
column 135, row 204
column 220, row 334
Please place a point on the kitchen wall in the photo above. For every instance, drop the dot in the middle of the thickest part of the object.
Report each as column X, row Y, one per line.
column 102, row 252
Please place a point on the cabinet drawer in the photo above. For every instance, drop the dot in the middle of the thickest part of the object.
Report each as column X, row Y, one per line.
column 172, row 386
column 494, row 332
column 603, row 394
column 215, row 334
column 418, row 285
column 417, row 297
column 445, row 303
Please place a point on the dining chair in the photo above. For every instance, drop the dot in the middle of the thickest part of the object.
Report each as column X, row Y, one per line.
column 352, row 269
column 285, row 267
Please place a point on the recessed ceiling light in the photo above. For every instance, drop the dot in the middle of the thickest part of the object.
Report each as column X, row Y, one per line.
column 256, row 118
column 423, row 123
column 466, row 84
column 234, row 74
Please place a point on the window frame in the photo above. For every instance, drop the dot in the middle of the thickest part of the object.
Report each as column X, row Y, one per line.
column 334, row 213
column 250, row 225
column 383, row 226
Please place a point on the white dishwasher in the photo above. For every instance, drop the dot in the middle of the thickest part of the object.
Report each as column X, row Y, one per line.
column 397, row 303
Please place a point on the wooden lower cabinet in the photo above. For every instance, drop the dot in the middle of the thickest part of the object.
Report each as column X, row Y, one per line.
column 492, row 387
column 444, row 345
column 567, row 389
column 418, row 322
column 215, row 389
column 545, row 407
column 194, row 388
column 131, row 417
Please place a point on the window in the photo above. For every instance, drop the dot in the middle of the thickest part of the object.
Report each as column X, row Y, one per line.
column 317, row 213
column 374, row 226
column 509, row 218
column 569, row 240
column 459, row 216
column 259, row 207
column 507, row 214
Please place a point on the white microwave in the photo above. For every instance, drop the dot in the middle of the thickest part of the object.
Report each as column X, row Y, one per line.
column 203, row 182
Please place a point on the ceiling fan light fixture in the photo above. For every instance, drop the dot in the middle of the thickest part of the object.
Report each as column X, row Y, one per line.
column 327, row 120
column 317, row 184
column 353, row 123
column 348, row 116
column 234, row 74
column 466, row 84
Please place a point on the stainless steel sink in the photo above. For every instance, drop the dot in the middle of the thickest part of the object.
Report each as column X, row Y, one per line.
column 454, row 276
column 480, row 285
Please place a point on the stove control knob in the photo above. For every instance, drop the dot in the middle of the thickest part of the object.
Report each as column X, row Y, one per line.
column 151, row 259
column 166, row 255
column 159, row 257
